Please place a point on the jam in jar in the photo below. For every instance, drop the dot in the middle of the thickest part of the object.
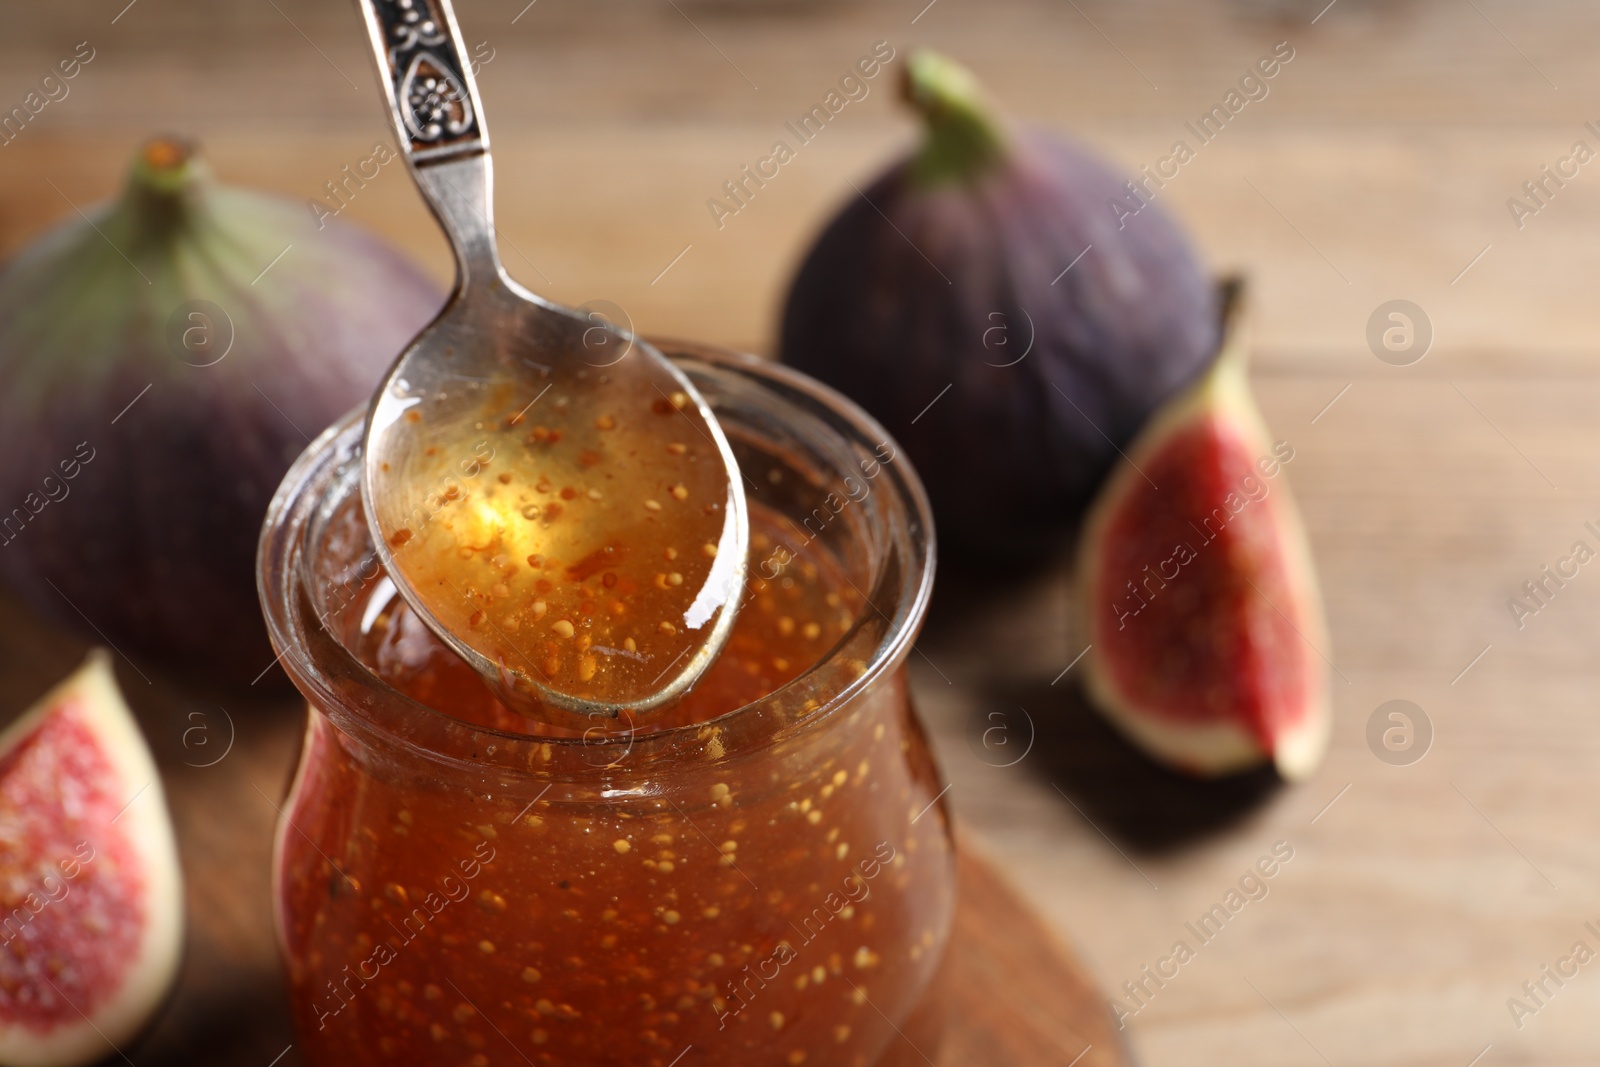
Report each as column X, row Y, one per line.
column 758, row 874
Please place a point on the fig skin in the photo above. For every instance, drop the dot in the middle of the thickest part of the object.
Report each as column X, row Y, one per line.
column 948, row 271
column 152, row 543
column 115, row 927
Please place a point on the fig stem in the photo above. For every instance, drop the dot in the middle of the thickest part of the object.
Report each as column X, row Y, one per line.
column 164, row 191
column 1228, row 375
column 165, row 165
column 965, row 136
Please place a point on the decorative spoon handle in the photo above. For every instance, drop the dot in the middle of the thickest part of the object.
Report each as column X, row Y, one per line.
column 434, row 105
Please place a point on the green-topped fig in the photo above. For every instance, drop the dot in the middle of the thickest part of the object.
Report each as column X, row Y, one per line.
column 996, row 301
column 162, row 361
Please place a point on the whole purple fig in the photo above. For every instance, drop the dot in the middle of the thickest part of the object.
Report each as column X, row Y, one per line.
column 1010, row 308
column 162, row 361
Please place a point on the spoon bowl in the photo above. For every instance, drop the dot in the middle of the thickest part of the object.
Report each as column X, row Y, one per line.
column 548, row 493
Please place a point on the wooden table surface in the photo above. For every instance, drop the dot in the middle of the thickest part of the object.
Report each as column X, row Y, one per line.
column 1419, row 898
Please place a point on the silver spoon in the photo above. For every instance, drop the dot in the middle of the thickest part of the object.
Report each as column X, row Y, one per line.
column 549, row 494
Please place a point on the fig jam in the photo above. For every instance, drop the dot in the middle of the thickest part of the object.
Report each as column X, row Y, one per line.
column 585, row 559
column 758, row 874
column 788, row 621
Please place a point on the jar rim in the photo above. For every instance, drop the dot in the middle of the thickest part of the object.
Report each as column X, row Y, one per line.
column 337, row 683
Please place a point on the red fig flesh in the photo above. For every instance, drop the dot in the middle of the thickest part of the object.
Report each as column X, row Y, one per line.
column 1204, row 620
column 92, row 918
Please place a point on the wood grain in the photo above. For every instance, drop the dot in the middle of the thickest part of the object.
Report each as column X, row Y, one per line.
column 1421, row 898
column 1378, row 166
column 1017, row 996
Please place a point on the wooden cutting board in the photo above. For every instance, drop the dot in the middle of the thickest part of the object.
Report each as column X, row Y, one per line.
column 1017, row 997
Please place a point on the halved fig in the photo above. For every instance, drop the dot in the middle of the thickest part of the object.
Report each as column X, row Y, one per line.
column 1203, row 615
column 91, row 903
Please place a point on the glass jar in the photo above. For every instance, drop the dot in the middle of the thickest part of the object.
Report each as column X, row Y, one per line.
column 775, row 886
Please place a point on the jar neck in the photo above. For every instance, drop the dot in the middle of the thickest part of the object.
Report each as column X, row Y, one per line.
column 837, row 476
